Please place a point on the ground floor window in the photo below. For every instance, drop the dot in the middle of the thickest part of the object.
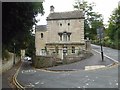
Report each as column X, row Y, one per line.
column 73, row 49
column 42, row 52
column 57, row 49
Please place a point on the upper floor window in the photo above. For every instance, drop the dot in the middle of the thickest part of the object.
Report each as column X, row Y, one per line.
column 65, row 36
column 41, row 35
column 60, row 24
column 68, row 24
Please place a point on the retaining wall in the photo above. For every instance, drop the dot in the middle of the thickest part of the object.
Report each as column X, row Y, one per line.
column 6, row 65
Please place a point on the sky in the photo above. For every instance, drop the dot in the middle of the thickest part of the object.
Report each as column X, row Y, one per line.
column 104, row 7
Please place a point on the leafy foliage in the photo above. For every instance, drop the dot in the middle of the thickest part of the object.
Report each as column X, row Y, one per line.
column 113, row 31
column 93, row 20
column 18, row 19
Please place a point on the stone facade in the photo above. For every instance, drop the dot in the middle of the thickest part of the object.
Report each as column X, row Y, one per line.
column 63, row 30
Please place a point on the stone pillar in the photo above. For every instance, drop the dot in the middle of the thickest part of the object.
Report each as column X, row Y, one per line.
column 88, row 45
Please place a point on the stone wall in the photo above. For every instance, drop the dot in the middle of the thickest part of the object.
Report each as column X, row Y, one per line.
column 88, row 45
column 40, row 42
column 49, row 61
column 45, row 61
column 76, row 28
column 6, row 65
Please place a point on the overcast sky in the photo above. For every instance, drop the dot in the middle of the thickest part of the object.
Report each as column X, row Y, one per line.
column 104, row 7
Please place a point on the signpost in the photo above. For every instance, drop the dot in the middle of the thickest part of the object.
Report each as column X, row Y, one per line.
column 100, row 36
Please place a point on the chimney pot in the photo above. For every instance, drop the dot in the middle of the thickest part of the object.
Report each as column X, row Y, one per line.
column 51, row 9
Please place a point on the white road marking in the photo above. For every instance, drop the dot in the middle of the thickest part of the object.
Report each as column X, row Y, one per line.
column 37, row 82
column 42, row 82
column 96, row 77
column 106, row 56
column 117, row 84
column 110, row 83
column 28, row 71
column 87, row 84
column 88, row 79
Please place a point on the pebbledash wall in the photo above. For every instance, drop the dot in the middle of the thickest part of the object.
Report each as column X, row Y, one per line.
column 63, row 30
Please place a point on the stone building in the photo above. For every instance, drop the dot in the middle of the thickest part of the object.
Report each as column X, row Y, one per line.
column 64, row 31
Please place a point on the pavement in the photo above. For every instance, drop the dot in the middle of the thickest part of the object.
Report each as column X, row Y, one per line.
column 94, row 60
column 7, row 77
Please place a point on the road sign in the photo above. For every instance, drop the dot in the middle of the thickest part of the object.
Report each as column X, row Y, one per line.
column 100, row 32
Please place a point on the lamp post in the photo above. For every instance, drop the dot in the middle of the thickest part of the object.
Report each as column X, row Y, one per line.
column 100, row 36
column 14, row 55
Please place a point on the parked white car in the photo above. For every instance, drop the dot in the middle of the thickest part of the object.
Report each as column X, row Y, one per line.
column 27, row 58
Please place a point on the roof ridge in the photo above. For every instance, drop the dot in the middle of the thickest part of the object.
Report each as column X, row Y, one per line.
column 75, row 14
column 68, row 11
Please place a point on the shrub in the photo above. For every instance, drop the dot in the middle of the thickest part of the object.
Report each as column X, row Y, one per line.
column 5, row 55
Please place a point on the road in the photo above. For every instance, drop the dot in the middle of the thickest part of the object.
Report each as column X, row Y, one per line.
column 113, row 53
column 38, row 78
column 102, row 78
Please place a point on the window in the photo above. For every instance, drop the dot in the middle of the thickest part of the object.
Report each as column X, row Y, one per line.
column 60, row 34
column 69, row 36
column 73, row 49
column 61, row 38
column 68, row 24
column 60, row 24
column 41, row 35
column 65, row 36
column 43, row 51
column 57, row 49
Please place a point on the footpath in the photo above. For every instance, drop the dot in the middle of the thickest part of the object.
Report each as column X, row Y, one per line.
column 7, row 77
column 94, row 60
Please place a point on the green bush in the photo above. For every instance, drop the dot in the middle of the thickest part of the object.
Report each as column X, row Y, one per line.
column 5, row 55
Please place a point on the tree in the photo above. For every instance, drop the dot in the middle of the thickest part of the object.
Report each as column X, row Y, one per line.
column 93, row 20
column 30, row 50
column 113, row 31
column 18, row 19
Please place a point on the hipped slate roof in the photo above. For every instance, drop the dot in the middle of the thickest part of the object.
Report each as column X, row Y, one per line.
column 77, row 14
column 41, row 28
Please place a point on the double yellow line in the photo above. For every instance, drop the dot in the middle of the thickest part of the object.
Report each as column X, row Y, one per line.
column 18, row 85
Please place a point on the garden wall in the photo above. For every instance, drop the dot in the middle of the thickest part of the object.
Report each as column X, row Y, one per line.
column 7, row 64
